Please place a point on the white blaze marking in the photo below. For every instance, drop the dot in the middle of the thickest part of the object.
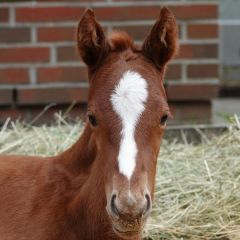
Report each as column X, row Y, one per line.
column 128, row 101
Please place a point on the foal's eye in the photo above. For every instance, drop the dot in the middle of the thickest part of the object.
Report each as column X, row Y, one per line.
column 164, row 119
column 92, row 119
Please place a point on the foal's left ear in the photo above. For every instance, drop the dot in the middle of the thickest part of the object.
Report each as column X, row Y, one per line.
column 161, row 43
column 92, row 43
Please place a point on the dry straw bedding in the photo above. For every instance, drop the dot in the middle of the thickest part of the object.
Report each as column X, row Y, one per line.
column 197, row 186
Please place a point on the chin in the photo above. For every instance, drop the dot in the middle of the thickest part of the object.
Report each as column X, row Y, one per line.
column 128, row 234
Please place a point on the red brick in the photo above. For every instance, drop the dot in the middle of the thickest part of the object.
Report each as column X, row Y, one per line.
column 63, row 95
column 4, row 14
column 194, row 92
column 198, row 51
column 13, row 76
column 6, row 96
column 190, row 112
column 137, row 32
column 62, row 74
column 24, row 54
column 203, row 71
column 182, row 12
column 127, row 13
column 173, row 72
column 187, row 12
column 9, row 112
column 200, row 31
column 14, row 35
column 56, row 34
column 68, row 53
column 48, row 14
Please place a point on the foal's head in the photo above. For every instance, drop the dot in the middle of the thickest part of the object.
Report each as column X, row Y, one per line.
column 127, row 111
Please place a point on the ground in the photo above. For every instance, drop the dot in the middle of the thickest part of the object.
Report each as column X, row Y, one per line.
column 197, row 187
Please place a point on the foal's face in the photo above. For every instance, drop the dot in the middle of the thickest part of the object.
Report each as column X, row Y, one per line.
column 127, row 112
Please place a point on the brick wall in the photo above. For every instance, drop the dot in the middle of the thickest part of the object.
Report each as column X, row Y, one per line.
column 39, row 63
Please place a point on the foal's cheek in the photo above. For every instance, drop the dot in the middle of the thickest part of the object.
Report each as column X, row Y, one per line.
column 154, row 147
column 157, row 135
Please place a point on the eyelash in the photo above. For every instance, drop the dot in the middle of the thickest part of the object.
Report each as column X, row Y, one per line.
column 164, row 119
column 92, row 119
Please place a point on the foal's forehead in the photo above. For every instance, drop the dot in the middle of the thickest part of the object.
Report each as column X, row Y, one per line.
column 129, row 96
column 130, row 80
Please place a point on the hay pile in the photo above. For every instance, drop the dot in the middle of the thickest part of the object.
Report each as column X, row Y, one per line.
column 198, row 187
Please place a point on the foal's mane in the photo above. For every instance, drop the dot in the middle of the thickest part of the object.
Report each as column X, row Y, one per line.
column 121, row 41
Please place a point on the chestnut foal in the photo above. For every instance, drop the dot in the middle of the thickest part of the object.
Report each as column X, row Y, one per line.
column 102, row 187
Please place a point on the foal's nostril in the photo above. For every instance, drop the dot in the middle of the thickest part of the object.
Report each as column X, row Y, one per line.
column 126, row 210
column 113, row 205
column 148, row 205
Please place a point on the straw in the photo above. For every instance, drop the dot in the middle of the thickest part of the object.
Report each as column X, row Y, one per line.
column 197, row 186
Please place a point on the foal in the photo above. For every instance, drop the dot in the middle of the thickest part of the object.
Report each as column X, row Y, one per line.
column 102, row 187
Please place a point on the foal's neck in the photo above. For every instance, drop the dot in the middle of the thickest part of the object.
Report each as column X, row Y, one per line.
column 87, row 206
column 78, row 158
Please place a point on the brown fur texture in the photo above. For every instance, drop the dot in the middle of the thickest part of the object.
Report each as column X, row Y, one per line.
column 162, row 39
column 65, row 197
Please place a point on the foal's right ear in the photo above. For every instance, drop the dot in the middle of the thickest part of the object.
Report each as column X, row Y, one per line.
column 92, row 43
column 161, row 43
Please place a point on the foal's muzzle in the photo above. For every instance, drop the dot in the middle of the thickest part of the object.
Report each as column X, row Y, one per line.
column 129, row 213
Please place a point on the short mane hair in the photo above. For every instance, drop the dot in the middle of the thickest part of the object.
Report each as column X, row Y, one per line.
column 120, row 41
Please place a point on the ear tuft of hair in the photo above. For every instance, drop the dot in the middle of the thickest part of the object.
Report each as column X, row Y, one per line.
column 120, row 41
